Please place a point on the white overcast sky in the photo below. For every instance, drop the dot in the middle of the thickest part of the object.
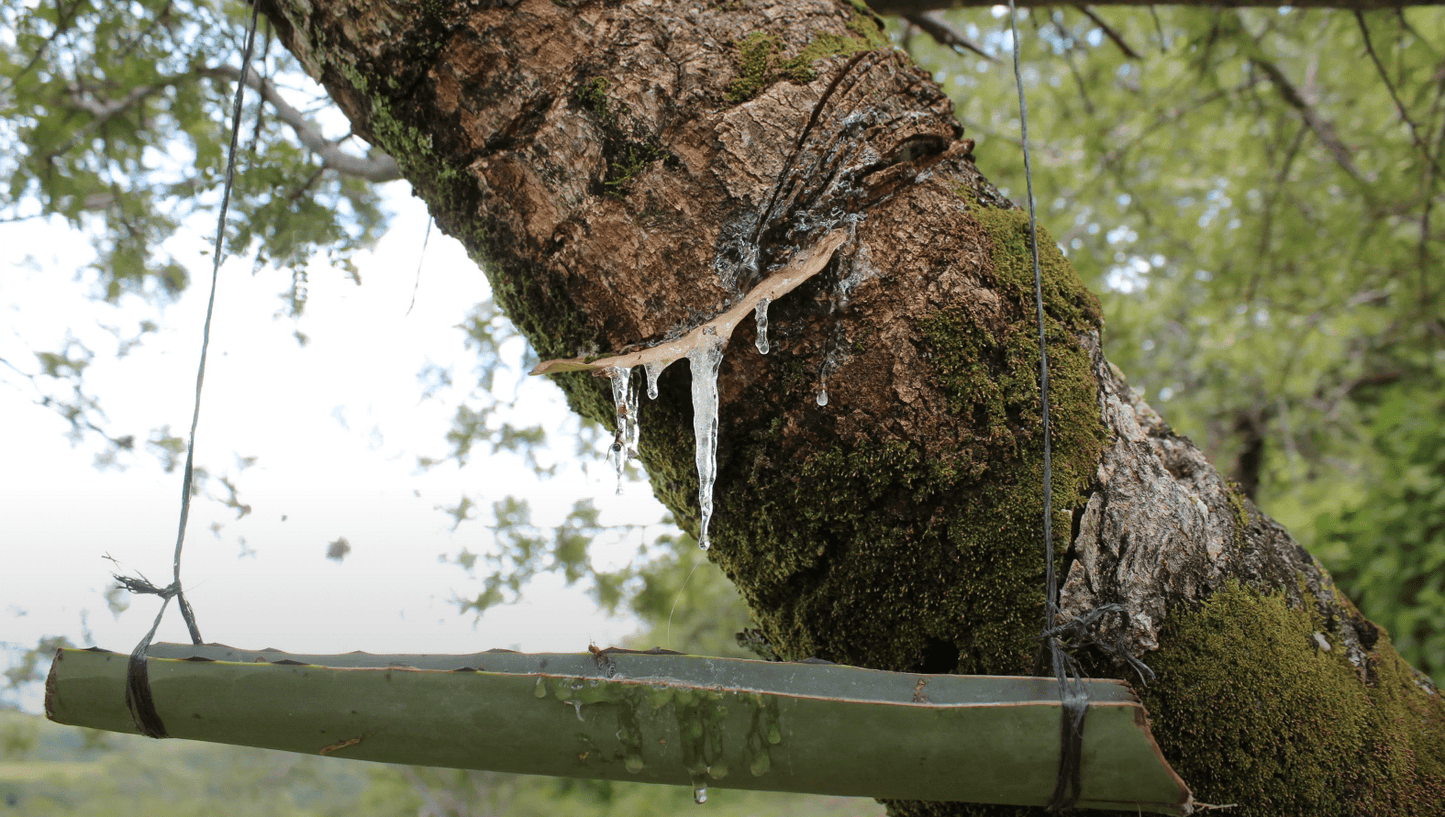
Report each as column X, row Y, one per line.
column 336, row 427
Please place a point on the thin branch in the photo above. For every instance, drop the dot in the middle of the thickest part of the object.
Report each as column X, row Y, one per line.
column 1321, row 126
column 944, row 33
column 1394, row 95
column 101, row 111
column 62, row 25
column 376, row 167
column 1079, row 83
column 1109, row 32
column 1159, row 29
column 1266, row 231
column 1431, row 176
column 1172, row 115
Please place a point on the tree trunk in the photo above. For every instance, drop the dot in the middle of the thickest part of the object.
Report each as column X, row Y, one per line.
column 922, row 6
column 625, row 172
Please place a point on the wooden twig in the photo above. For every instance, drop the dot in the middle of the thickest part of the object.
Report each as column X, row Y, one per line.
column 943, row 33
column 1109, row 32
column 807, row 264
column 1394, row 94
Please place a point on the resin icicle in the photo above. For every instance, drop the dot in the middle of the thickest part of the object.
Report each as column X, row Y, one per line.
column 762, row 315
column 653, row 369
column 705, row 360
column 624, row 444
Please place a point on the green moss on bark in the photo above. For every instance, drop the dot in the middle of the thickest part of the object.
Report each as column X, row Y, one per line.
column 1251, row 709
column 907, row 555
column 761, row 61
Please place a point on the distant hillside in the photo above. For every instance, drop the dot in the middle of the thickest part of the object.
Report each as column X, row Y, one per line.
column 48, row 769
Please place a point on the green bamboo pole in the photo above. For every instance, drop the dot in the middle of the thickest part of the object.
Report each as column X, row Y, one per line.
column 653, row 718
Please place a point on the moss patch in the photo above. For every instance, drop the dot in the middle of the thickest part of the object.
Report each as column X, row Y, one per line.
column 627, row 151
column 1249, row 709
column 1066, row 299
column 761, row 59
column 922, row 554
column 592, row 94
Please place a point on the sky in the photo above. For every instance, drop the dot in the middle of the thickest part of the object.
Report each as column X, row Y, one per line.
column 335, row 427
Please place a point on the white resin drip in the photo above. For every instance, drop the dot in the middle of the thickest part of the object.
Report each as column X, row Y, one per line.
column 705, row 360
column 624, row 443
column 762, row 315
column 823, row 396
column 653, row 369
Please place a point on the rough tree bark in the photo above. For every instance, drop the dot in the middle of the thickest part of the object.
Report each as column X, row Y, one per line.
column 625, row 171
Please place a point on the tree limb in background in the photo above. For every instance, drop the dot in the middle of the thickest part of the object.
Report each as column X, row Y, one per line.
column 1109, row 31
column 375, row 167
column 943, row 32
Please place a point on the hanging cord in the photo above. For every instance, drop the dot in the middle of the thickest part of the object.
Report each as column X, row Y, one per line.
column 1073, row 696
column 138, row 697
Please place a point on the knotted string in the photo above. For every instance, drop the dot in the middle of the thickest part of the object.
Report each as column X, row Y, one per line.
column 1053, row 658
column 138, row 698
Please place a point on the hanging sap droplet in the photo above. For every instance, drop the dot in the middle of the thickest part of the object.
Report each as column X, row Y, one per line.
column 762, row 316
column 634, row 762
column 705, row 360
column 775, row 735
column 540, row 690
column 697, row 775
column 823, row 396
column 653, row 369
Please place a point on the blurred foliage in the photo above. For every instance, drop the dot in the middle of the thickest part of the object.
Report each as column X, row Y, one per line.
column 113, row 115
column 683, row 600
column 1254, row 198
column 33, row 662
column 115, row 118
column 1389, row 546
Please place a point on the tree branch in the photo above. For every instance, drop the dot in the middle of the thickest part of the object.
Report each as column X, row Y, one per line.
column 944, row 33
column 1394, row 95
column 1109, row 31
column 374, row 167
column 1321, row 126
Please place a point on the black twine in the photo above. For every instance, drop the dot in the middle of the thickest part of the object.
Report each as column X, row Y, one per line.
column 138, row 697
column 1073, row 696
